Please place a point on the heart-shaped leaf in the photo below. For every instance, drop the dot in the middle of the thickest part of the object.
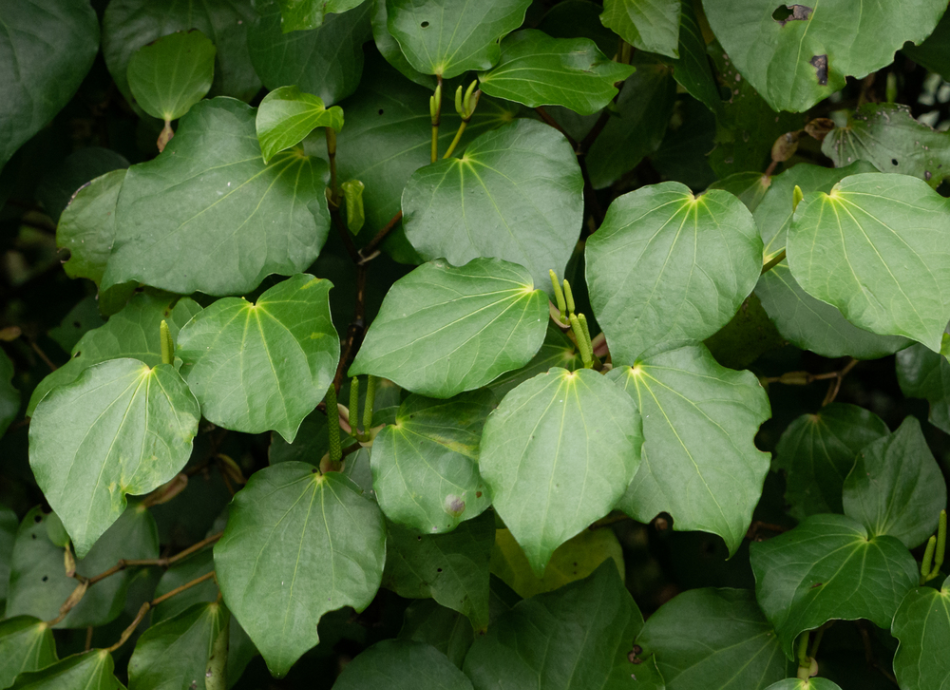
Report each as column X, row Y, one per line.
column 91, row 670
column 645, row 24
column 119, row 428
column 444, row 330
column 557, row 455
column 923, row 373
column 516, row 194
column 402, row 665
column 798, row 58
column 287, row 115
column 324, row 545
column 451, row 37
column 425, row 465
column 896, row 486
column 738, row 648
column 668, row 269
column 536, row 70
column 237, row 220
column 817, row 452
column 922, row 628
column 829, row 567
column 868, row 249
column 169, row 76
column 299, row 15
column 26, row 644
column 256, row 367
column 700, row 463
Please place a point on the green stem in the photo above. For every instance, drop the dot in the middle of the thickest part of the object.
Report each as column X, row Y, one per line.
column 773, row 262
column 928, row 559
column 941, row 543
column 216, row 672
column 333, row 427
column 168, row 345
column 456, row 140
column 804, row 663
column 354, row 406
column 368, row 403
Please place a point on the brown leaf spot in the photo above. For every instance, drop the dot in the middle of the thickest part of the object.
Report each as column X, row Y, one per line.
column 784, row 14
column 820, row 63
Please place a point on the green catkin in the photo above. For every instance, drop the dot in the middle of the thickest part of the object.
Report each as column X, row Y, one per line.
column 333, row 426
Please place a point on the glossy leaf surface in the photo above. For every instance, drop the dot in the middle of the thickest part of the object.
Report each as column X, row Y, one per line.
column 169, row 76
column 287, row 115
column 91, row 670
column 297, row 15
column 26, row 644
column 650, row 25
column 922, row 627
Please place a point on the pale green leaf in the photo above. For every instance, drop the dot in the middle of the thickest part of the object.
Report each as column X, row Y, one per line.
column 700, row 463
column 91, row 670
column 650, row 25
column 877, row 248
column 236, row 221
column 557, row 350
column 425, row 465
column 922, row 628
column 516, row 194
column 169, row 76
column 668, row 269
column 829, row 567
column 896, row 486
column 799, row 60
column 537, row 70
column 256, row 367
column 451, row 37
column 444, row 330
column 323, row 545
column 933, row 53
column 923, row 373
column 26, row 644
column 287, row 115
column 297, row 15
column 120, row 428
column 557, row 455
column 402, row 665
column 389, row 48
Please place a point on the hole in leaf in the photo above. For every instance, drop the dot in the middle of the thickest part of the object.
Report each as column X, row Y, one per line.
column 77, row 324
column 380, row 111
column 45, row 578
column 782, row 13
column 37, row 519
column 438, row 570
column 893, row 161
column 424, row 25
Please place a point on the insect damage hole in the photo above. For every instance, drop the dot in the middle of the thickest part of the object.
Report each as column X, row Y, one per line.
column 784, row 14
column 820, row 63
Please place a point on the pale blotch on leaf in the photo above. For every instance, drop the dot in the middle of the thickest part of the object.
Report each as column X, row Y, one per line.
column 453, row 505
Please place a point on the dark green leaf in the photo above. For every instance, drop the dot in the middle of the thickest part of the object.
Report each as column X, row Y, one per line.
column 516, row 194
column 746, row 337
column 304, row 526
column 580, row 19
column 130, row 24
column 26, row 644
column 827, row 568
column 797, row 61
column 923, row 373
column 557, row 350
column 90, row 671
column 922, row 627
column 736, row 650
column 700, row 463
column 557, row 454
column 120, row 428
column 425, row 465
column 692, row 70
column 448, row 631
column 389, row 48
column 444, row 330
column 810, row 684
column 47, row 48
column 451, row 37
column 817, row 452
column 8, row 530
column 297, row 15
column 9, row 395
column 537, row 70
column 402, row 665
column 933, row 53
column 668, row 269
column 867, row 249
column 650, row 25
column 82, row 318
column 58, row 188
column 896, row 487
column 749, row 187
column 262, row 366
column 450, row 568
column 169, row 76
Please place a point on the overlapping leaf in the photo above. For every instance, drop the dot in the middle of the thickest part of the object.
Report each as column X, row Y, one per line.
column 448, row 631
column 810, row 684
column 650, row 25
column 26, row 644
column 700, row 463
column 402, row 665
column 668, row 269
column 557, row 454
column 923, row 373
column 287, row 115
column 323, row 544
column 299, row 15
column 557, row 350
column 91, row 670
column 169, row 76
column 692, row 70
column 922, row 628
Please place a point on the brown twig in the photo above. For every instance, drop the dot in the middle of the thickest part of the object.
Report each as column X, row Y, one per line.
column 803, row 378
column 127, row 633
column 543, row 114
column 753, row 531
column 179, row 590
column 368, row 253
column 42, row 355
column 160, row 562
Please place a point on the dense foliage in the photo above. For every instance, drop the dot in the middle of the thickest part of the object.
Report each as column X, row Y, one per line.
column 469, row 344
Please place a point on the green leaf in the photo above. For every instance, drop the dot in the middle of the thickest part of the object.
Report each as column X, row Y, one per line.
column 569, row 638
column 573, row 560
column 425, row 465
column 700, row 463
column 237, row 220
column 174, row 653
column 8, row 530
column 887, row 136
column 304, row 526
column 923, row 373
column 87, row 226
column 297, row 15
column 448, row 631
column 737, row 651
column 389, row 48
column 169, row 76
column 829, row 567
column 749, row 187
column 817, row 452
column 749, row 335
column 402, row 665
column 557, row 455
column 692, row 70
column 133, row 332
column 58, row 187
column 444, row 330
column 450, row 568
column 557, row 350
column 120, row 428
column 896, row 487
column 868, row 249
column 516, row 194
column 451, row 37
column 668, row 269
column 91, row 670
column 797, row 61
column 922, row 627
column 261, row 366
column 327, row 61
column 810, row 684
column 650, row 25
column 38, row 582
column 353, row 196
column 127, row 25
column 47, row 48
column 82, row 318
column 933, row 53
column 26, row 644
column 9, row 395
column 536, row 70
column 580, row 19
